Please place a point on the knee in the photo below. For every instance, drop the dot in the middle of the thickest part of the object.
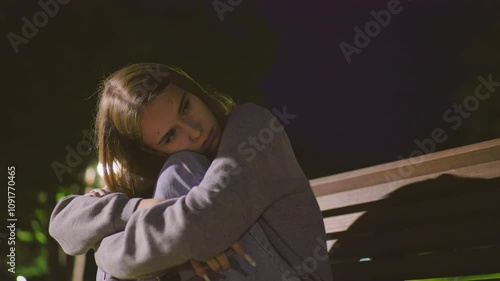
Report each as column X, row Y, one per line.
column 181, row 172
column 195, row 163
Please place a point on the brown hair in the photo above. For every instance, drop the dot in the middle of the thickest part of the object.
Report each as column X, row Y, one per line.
column 122, row 97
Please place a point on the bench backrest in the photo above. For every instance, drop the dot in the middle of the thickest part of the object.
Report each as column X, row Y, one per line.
column 428, row 216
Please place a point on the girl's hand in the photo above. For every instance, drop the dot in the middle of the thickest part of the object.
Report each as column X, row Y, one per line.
column 97, row 192
column 220, row 261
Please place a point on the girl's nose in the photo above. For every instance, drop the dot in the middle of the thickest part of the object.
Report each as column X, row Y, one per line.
column 193, row 131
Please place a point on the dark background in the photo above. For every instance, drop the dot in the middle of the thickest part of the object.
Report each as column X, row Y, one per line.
column 349, row 115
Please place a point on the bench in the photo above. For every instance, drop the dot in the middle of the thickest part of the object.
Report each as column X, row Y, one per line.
column 436, row 215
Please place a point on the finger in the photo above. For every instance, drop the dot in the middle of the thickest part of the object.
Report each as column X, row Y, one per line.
column 214, row 265
column 198, row 268
column 91, row 193
column 223, row 261
column 241, row 252
column 100, row 192
column 96, row 194
column 238, row 248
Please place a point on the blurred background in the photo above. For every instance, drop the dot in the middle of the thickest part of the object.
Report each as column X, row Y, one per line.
column 365, row 89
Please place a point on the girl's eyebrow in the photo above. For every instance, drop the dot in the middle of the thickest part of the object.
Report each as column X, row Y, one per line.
column 179, row 110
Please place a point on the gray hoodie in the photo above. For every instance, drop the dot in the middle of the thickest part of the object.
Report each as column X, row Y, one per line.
column 254, row 175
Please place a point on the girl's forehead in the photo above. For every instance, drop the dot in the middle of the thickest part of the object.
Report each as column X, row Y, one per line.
column 163, row 104
column 171, row 96
column 164, row 107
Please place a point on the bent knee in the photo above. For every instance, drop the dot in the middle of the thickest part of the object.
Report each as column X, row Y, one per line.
column 194, row 162
column 181, row 172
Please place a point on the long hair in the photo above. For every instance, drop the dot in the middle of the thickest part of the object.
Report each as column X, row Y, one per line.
column 123, row 95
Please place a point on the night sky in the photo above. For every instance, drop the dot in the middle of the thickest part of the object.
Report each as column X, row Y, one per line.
column 394, row 91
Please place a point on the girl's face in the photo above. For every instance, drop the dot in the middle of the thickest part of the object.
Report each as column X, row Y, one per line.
column 178, row 120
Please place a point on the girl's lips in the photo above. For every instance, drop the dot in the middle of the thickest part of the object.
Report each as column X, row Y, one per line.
column 209, row 140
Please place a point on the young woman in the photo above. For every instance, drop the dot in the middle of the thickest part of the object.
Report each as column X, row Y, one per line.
column 251, row 185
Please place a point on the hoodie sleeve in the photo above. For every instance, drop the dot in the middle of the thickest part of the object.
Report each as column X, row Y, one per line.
column 255, row 167
column 80, row 222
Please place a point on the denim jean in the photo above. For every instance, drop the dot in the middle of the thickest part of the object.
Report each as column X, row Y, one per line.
column 184, row 170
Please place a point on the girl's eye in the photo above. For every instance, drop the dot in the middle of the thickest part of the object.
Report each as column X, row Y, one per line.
column 186, row 105
column 172, row 132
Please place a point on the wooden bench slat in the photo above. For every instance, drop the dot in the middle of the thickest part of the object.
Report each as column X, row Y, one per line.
column 433, row 163
column 373, row 193
column 460, row 195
